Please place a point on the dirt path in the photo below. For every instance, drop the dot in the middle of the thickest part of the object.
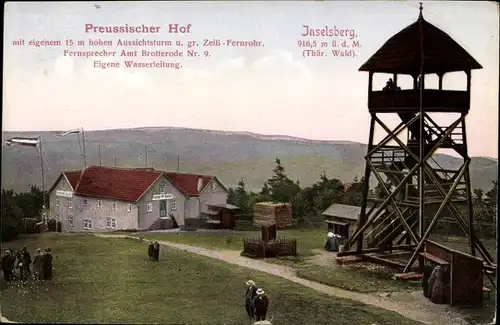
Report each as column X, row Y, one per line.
column 393, row 303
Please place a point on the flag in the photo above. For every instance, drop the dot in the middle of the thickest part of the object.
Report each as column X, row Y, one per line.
column 65, row 133
column 22, row 141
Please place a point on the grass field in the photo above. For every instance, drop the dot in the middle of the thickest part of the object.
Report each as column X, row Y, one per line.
column 102, row 280
column 360, row 278
column 308, row 239
column 366, row 278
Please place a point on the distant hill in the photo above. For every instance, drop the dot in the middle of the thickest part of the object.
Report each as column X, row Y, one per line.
column 228, row 155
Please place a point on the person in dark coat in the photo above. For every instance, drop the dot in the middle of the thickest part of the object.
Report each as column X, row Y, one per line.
column 151, row 250
column 440, row 288
column 156, row 251
column 433, row 277
column 47, row 265
column 26, row 263
column 12, row 264
column 261, row 304
column 5, row 266
column 19, row 264
column 332, row 242
column 250, row 294
column 425, row 280
column 38, row 262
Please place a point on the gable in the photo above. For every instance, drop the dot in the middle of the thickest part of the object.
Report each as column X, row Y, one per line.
column 214, row 186
column 70, row 178
column 188, row 183
column 162, row 185
column 61, row 184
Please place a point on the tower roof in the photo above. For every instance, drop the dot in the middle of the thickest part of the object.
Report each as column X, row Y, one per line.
column 402, row 53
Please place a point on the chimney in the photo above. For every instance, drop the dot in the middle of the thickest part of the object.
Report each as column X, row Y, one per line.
column 200, row 183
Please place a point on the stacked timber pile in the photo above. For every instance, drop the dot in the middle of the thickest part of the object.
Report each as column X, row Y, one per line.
column 266, row 214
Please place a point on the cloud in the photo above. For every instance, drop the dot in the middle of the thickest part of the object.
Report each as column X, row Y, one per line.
column 232, row 64
column 64, row 66
column 281, row 63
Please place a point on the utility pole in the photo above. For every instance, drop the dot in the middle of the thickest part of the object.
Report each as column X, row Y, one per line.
column 44, row 217
column 178, row 158
column 100, row 161
column 115, row 159
column 84, row 150
column 146, row 155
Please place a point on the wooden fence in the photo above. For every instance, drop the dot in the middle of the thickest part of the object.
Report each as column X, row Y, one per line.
column 255, row 247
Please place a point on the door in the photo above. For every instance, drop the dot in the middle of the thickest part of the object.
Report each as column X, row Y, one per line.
column 163, row 209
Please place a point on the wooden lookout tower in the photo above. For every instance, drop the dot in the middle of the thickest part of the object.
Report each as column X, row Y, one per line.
column 414, row 183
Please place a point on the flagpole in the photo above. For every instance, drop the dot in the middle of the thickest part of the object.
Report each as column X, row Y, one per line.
column 84, row 152
column 44, row 218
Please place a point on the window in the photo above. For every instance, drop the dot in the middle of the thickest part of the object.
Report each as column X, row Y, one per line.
column 173, row 205
column 84, row 201
column 70, row 221
column 57, row 202
column 150, row 207
column 214, row 187
column 111, row 223
column 129, row 207
column 114, row 205
column 163, row 188
column 70, row 204
column 87, row 224
column 99, row 203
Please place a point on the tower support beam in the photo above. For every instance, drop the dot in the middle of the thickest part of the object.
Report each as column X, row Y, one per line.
column 411, row 172
column 436, row 216
column 396, row 207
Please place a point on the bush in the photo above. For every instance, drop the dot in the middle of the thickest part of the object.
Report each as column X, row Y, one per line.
column 245, row 225
column 30, row 226
column 11, row 228
column 52, row 225
column 244, row 217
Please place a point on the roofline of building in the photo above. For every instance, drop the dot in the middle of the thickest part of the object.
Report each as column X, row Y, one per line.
column 186, row 195
column 206, row 186
column 55, row 183
column 59, row 178
column 103, row 197
column 149, row 187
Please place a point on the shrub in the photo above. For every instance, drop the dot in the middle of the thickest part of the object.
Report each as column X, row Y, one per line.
column 245, row 225
column 52, row 225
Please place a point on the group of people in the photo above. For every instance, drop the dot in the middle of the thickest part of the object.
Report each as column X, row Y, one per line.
column 256, row 301
column 20, row 265
column 154, row 251
column 391, row 85
column 436, row 284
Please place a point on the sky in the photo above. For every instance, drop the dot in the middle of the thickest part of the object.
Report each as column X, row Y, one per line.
column 271, row 89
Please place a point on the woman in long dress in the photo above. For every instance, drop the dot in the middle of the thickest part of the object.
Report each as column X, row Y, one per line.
column 440, row 286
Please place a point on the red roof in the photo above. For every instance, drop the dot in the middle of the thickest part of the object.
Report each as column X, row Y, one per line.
column 73, row 177
column 122, row 184
column 188, row 183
